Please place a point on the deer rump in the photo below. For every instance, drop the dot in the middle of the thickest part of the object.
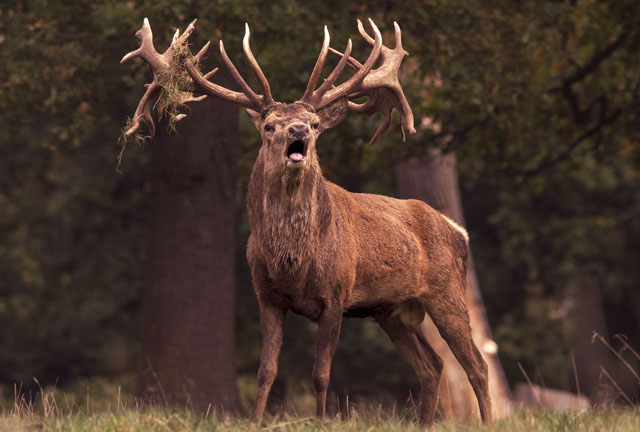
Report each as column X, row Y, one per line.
column 319, row 250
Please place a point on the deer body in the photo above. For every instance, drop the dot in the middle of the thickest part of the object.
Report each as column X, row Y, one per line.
column 376, row 252
column 323, row 252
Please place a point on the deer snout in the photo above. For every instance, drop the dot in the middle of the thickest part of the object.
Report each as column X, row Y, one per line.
column 298, row 131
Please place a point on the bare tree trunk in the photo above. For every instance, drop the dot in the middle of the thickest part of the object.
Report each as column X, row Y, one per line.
column 188, row 337
column 435, row 181
column 586, row 316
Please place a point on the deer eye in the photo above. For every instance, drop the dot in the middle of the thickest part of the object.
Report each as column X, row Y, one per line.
column 315, row 125
column 269, row 128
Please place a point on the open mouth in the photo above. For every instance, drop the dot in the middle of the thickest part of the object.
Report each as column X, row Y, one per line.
column 296, row 152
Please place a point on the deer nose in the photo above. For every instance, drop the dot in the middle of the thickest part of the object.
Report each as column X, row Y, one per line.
column 299, row 131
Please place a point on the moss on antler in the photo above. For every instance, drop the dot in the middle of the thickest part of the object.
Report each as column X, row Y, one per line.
column 177, row 85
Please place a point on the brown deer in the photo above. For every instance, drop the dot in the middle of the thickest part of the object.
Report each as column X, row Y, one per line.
column 326, row 253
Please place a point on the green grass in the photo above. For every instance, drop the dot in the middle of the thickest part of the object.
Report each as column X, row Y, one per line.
column 135, row 420
column 104, row 407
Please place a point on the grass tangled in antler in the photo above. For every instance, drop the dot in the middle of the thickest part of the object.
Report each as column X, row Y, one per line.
column 138, row 138
column 176, row 85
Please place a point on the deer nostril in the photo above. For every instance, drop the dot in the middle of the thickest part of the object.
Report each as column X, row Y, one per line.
column 298, row 131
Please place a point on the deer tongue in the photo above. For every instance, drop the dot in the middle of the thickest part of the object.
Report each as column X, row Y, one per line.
column 296, row 157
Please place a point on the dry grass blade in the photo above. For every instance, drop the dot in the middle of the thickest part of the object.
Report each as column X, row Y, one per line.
column 575, row 373
column 623, row 340
column 531, row 386
column 596, row 335
column 617, row 387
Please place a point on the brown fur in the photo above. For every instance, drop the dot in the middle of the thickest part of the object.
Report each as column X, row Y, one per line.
column 323, row 252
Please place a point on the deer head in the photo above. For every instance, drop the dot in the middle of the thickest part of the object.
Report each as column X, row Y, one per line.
column 289, row 130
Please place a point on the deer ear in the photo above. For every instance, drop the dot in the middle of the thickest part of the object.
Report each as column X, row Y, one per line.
column 333, row 113
column 255, row 116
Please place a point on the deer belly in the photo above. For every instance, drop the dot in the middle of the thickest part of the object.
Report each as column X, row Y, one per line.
column 389, row 271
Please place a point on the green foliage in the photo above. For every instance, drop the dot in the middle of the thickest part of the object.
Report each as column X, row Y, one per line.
column 69, row 225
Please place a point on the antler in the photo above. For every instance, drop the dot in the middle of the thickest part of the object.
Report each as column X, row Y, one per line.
column 248, row 98
column 381, row 85
column 164, row 65
column 326, row 93
column 161, row 66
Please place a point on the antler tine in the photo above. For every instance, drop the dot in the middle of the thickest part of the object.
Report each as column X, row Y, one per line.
column 238, row 78
column 364, row 33
column 264, row 83
column 143, row 111
column 333, row 76
column 396, row 27
column 187, row 32
column 146, row 51
column 317, row 69
column 406, row 114
column 382, row 128
column 202, row 52
column 398, row 34
column 210, row 74
column 352, row 83
column 378, row 101
column 203, row 85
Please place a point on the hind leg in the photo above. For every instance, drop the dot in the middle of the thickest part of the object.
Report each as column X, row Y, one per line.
column 415, row 349
column 449, row 313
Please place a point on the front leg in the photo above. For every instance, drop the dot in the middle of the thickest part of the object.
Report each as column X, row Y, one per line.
column 272, row 328
column 328, row 333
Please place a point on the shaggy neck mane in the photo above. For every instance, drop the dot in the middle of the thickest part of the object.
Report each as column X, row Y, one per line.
column 287, row 212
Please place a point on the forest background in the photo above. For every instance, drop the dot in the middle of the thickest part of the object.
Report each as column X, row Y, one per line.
column 537, row 100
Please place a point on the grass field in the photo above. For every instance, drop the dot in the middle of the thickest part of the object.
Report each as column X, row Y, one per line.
column 162, row 420
column 106, row 408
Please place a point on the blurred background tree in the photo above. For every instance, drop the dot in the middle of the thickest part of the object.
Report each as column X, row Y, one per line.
column 538, row 100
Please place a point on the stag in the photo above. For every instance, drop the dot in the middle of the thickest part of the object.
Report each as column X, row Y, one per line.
column 325, row 253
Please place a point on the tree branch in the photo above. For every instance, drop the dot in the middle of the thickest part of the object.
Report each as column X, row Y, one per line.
column 548, row 162
column 583, row 116
column 580, row 73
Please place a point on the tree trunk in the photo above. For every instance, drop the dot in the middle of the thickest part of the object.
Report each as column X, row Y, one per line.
column 188, row 337
column 586, row 316
column 634, row 299
column 435, row 181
